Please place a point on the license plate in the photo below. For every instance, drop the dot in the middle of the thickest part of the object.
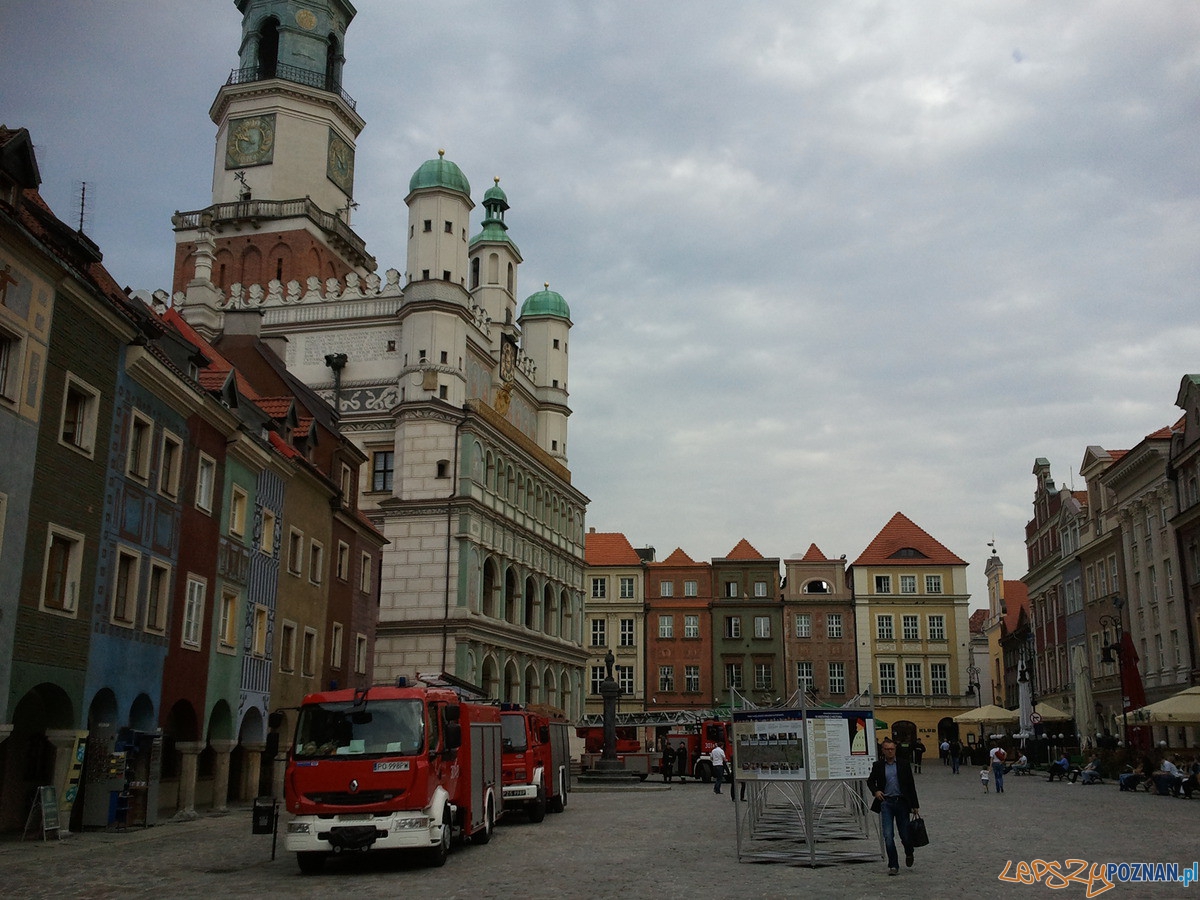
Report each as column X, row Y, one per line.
column 400, row 766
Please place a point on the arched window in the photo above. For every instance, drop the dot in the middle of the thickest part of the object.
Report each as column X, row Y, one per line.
column 512, row 280
column 475, row 273
column 268, row 47
column 493, row 273
column 333, row 65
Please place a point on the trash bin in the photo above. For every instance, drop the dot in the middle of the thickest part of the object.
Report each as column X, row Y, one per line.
column 264, row 815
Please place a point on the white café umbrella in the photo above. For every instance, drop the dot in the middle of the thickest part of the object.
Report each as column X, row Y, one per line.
column 1085, row 716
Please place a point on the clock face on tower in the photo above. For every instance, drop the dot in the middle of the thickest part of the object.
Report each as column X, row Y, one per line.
column 250, row 142
column 339, row 166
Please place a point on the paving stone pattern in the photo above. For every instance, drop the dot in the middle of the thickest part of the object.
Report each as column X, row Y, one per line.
column 653, row 842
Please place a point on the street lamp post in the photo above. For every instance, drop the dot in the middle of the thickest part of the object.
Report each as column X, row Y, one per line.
column 974, row 687
column 1115, row 621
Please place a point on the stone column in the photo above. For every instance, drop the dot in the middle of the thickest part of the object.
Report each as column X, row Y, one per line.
column 221, row 774
column 63, row 741
column 189, row 752
column 252, row 774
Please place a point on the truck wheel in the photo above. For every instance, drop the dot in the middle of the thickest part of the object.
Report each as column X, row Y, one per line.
column 436, row 856
column 704, row 771
column 489, row 822
column 559, row 800
column 537, row 806
column 311, row 862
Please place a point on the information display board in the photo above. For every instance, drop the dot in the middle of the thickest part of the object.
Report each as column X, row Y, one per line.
column 803, row 744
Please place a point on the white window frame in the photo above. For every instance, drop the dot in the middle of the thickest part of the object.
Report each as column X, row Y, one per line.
column 309, row 653
column 939, row 678
column 933, row 584
column 731, row 589
column 885, row 627
column 139, row 446
column 336, row 638
column 914, row 673
column 937, row 627
column 733, row 627
column 11, row 355
column 239, row 502
column 691, row 626
column 760, row 589
column 159, row 582
column 626, row 587
column 599, row 632
column 191, row 632
column 691, row 589
column 910, row 627
column 170, row 464
column 72, row 571
column 733, row 675
column 360, row 654
column 691, row 679
column 626, row 630
column 599, row 588
column 343, row 561
column 833, row 625
column 803, row 625
column 883, row 584
column 260, row 622
column 366, row 576
column 227, row 622
column 206, row 481
column 908, row 584
column 764, row 676
column 287, row 646
column 295, row 563
column 666, row 678
column 316, row 561
column 804, row 675
column 666, row 627
column 762, row 627
column 130, row 562
column 887, row 678
column 84, row 436
column 266, row 536
column 666, row 589
column 837, row 677
column 625, row 678
column 597, row 678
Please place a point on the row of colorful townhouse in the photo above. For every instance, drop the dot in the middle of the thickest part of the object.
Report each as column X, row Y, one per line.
column 685, row 634
column 182, row 556
column 1107, row 618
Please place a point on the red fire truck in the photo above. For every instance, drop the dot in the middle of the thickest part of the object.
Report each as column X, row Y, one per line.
column 537, row 759
column 409, row 767
column 695, row 732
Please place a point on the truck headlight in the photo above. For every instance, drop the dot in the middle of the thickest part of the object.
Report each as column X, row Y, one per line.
column 298, row 828
column 413, row 822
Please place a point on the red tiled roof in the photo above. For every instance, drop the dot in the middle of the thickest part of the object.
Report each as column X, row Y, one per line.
column 814, row 554
column 609, row 549
column 743, row 550
column 276, row 407
column 975, row 625
column 1016, row 599
column 901, row 534
column 677, row 558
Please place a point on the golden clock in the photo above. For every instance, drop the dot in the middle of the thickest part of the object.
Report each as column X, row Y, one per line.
column 250, row 142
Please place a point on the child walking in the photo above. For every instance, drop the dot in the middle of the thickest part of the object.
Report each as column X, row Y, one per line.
column 983, row 778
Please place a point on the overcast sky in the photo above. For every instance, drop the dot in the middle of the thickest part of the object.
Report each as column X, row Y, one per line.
column 825, row 261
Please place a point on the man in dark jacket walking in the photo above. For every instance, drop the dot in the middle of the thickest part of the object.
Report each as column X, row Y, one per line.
column 891, row 781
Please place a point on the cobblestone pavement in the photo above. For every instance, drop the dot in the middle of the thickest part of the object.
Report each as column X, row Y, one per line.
column 651, row 842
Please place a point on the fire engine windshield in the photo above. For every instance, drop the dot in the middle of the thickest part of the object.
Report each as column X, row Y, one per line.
column 512, row 733
column 378, row 727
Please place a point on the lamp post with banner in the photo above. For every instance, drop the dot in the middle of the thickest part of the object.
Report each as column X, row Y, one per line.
column 1107, row 621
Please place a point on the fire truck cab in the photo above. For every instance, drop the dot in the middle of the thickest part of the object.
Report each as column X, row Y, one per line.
column 409, row 767
column 537, row 759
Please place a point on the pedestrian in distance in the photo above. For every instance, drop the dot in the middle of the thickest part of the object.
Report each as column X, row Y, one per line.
column 955, row 755
column 998, row 756
column 983, row 777
column 891, row 781
column 668, row 761
column 718, row 765
column 918, row 754
column 944, row 751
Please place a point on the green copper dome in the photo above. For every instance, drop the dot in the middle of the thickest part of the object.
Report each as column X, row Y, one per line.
column 439, row 173
column 546, row 303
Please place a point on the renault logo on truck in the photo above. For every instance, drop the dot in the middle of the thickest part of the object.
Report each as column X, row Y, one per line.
column 353, row 785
